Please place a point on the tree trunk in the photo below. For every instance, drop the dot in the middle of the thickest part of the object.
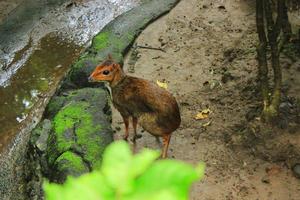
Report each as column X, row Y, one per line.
column 273, row 33
column 286, row 25
column 265, row 21
column 261, row 53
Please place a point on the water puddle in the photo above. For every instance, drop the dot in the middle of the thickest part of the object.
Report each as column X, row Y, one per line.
column 33, row 82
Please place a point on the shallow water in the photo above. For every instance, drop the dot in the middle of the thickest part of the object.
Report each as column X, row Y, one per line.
column 34, row 58
column 44, row 68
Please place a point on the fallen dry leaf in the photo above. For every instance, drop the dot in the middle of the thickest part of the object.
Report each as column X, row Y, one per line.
column 162, row 84
column 203, row 114
column 273, row 170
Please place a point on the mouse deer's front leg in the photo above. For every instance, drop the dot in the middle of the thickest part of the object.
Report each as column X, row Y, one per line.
column 134, row 124
column 166, row 141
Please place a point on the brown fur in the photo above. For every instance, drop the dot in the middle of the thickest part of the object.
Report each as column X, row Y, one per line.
column 155, row 108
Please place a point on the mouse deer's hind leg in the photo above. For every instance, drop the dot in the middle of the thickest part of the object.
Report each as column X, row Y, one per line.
column 126, row 122
column 166, row 141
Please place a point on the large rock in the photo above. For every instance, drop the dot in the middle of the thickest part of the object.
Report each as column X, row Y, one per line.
column 79, row 130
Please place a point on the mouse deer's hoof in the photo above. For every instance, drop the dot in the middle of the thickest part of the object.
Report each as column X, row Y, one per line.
column 162, row 156
column 136, row 137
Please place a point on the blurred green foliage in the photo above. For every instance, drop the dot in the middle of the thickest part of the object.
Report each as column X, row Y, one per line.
column 124, row 176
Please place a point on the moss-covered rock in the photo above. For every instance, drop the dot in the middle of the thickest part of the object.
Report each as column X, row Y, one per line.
column 74, row 129
column 81, row 129
column 116, row 37
column 69, row 163
column 57, row 102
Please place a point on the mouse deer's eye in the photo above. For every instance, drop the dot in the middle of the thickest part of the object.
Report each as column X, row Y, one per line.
column 105, row 72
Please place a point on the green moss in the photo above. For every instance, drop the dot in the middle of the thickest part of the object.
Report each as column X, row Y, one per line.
column 84, row 60
column 100, row 41
column 71, row 161
column 130, row 36
column 118, row 43
column 67, row 118
column 107, row 39
column 75, row 117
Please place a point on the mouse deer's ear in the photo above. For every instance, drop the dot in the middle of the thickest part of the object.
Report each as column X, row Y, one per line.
column 115, row 65
column 109, row 57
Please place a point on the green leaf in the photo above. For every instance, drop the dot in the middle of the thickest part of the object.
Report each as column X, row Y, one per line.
column 120, row 167
column 173, row 176
column 157, row 195
column 142, row 161
column 116, row 164
column 90, row 186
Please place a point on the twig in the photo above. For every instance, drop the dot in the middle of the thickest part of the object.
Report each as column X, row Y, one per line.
column 152, row 48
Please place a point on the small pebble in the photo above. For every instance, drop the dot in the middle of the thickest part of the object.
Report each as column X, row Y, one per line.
column 296, row 170
column 265, row 179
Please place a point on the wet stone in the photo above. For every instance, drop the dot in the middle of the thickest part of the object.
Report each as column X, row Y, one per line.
column 296, row 170
column 41, row 142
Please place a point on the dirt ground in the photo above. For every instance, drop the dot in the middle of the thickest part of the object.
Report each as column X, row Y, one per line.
column 207, row 58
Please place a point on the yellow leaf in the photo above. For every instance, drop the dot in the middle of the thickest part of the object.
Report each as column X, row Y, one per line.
column 162, row 84
column 203, row 114
column 206, row 111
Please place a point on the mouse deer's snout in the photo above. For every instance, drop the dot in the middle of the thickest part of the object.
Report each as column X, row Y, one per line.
column 94, row 75
column 90, row 79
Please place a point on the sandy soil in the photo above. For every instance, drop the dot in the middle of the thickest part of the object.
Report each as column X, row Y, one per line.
column 208, row 61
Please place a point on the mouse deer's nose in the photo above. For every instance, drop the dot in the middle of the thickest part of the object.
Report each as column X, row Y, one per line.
column 90, row 79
